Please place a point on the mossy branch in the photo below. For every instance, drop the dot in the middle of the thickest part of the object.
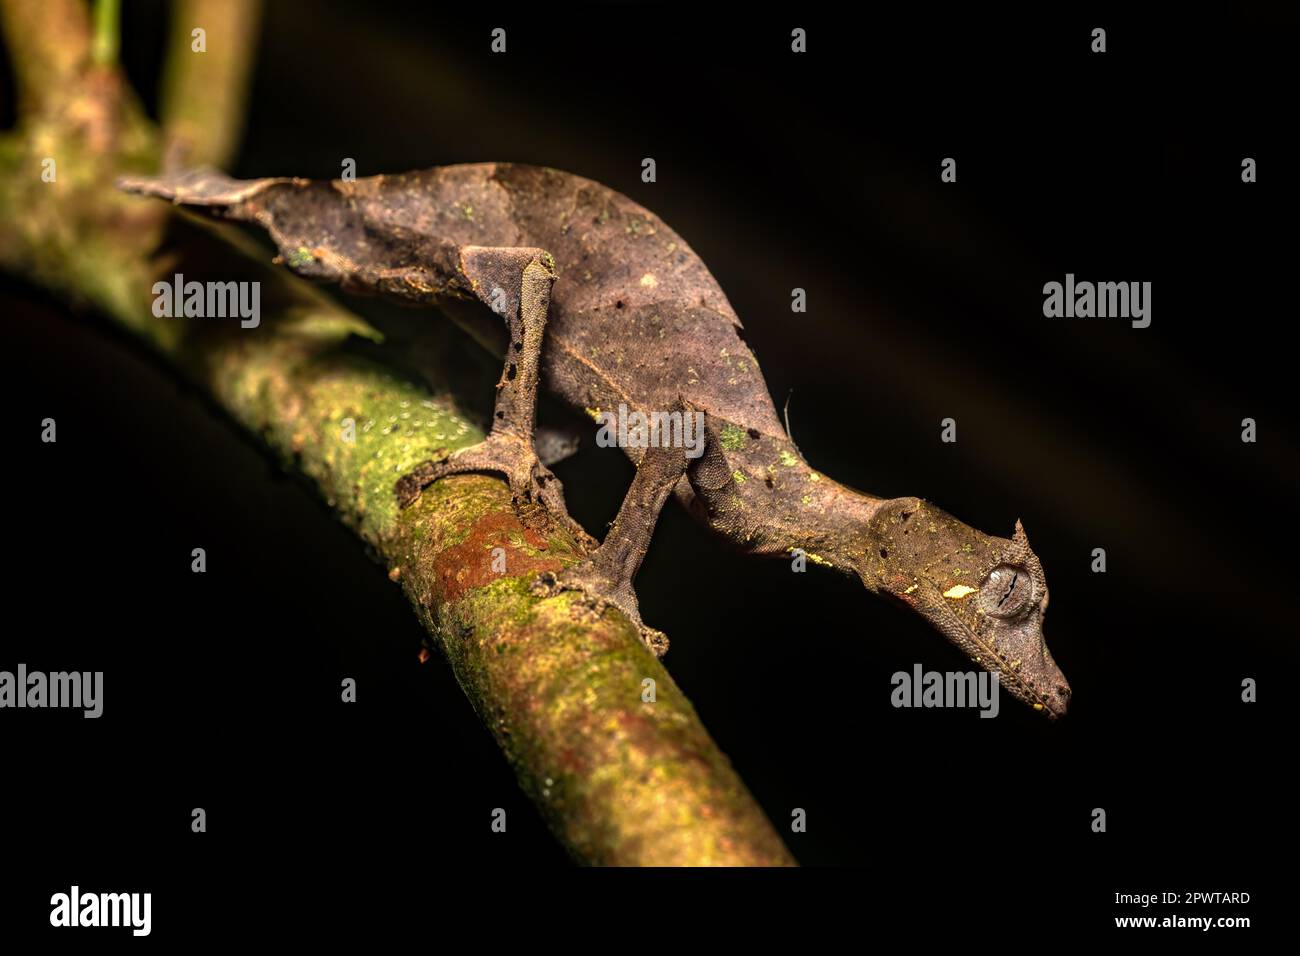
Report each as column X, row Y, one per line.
column 619, row 780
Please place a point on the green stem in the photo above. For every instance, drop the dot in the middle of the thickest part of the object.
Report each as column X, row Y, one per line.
column 108, row 18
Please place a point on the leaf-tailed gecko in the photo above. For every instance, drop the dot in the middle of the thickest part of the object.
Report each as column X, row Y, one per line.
column 606, row 305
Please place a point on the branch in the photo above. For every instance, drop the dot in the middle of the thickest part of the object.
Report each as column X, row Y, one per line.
column 49, row 45
column 204, row 94
column 108, row 34
column 618, row 780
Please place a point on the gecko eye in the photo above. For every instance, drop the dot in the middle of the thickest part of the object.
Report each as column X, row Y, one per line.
column 1007, row 591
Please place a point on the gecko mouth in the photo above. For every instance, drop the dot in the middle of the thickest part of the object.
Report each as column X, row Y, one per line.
column 1041, row 684
column 1016, row 651
column 1052, row 704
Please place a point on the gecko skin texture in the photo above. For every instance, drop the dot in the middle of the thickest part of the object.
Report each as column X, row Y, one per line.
column 635, row 318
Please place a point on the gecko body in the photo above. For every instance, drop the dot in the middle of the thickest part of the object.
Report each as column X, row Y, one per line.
column 605, row 305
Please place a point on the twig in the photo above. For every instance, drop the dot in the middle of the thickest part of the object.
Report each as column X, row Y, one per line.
column 107, row 32
column 204, row 94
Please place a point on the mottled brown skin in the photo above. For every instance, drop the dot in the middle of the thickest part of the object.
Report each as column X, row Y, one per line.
column 634, row 317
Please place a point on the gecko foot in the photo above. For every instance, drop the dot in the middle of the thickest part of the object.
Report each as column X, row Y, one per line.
column 605, row 578
column 601, row 589
column 532, row 485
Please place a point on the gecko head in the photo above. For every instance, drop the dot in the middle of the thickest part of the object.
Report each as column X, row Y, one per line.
column 987, row 595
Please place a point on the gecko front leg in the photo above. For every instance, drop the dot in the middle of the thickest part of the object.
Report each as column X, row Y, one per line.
column 516, row 283
column 606, row 576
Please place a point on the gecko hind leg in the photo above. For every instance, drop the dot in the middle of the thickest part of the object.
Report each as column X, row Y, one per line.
column 605, row 577
column 516, row 283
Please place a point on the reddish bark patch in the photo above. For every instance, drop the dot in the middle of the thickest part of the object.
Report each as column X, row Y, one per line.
column 572, row 761
column 469, row 564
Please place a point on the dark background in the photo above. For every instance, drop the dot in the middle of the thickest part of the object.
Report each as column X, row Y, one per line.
column 819, row 171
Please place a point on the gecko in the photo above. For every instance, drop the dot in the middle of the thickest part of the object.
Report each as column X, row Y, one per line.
column 588, row 294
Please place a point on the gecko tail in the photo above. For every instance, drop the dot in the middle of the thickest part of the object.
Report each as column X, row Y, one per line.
column 204, row 186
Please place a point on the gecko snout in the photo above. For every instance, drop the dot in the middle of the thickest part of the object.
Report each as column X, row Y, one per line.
column 1048, row 690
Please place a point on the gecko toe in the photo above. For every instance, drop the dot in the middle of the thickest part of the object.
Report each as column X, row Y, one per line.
column 600, row 591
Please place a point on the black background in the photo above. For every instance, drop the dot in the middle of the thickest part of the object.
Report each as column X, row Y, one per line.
column 925, row 301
